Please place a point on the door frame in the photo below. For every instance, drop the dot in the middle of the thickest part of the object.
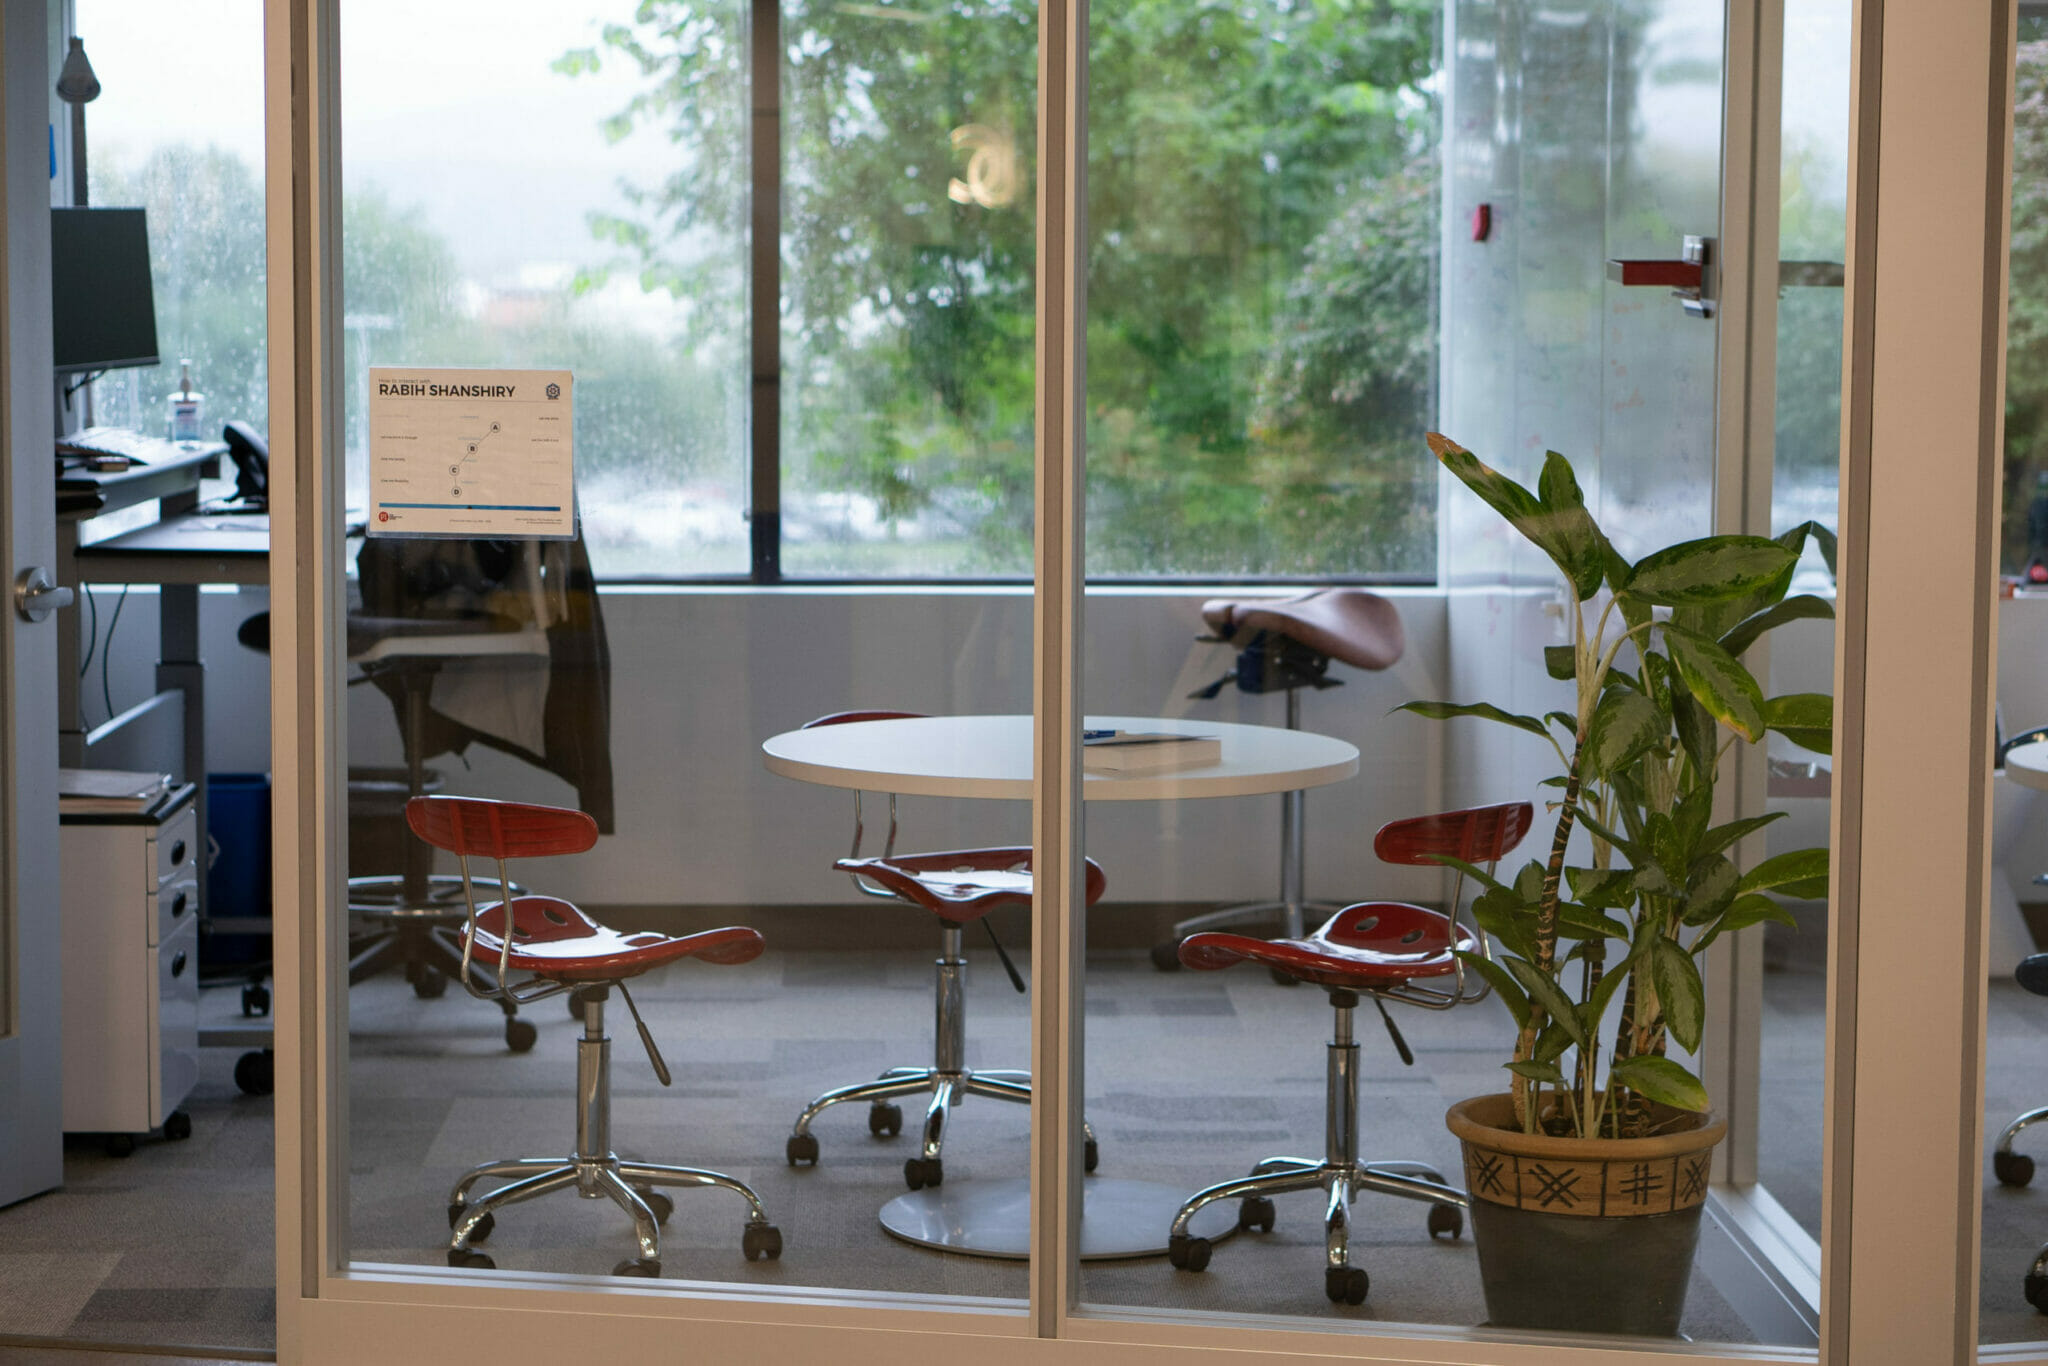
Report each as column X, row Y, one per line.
column 1903, row 793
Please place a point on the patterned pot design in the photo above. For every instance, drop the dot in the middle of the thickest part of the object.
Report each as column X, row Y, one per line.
column 1584, row 1235
column 1588, row 1177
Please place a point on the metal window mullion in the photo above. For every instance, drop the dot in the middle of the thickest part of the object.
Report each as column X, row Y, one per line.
column 302, row 188
column 1745, row 445
column 1059, row 903
column 764, row 298
column 1922, row 416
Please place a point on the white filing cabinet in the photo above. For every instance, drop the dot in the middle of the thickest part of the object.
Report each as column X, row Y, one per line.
column 131, row 970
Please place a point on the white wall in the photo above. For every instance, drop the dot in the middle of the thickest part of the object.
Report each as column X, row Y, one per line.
column 702, row 676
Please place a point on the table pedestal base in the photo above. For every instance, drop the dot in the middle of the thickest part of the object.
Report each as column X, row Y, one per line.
column 1119, row 1218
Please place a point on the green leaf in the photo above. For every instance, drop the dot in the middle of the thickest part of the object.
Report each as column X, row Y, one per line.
column 1552, row 1041
column 1719, row 682
column 1744, row 634
column 1630, row 849
column 1601, row 888
column 1580, row 548
column 1696, row 732
column 1442, row 711
column 1807, row 719
column 1582, row 922
column 1537, row 1071
column 1503, row 914
column 1609, row 983
column 1529, row 882
column 1801, row 874
column 1710, row 888
column 1822, row 536
column 1679, row 992
column 1624, row 725
column 1561, row 662
column 1547, row 994
column 1746, row 910
column 1559, row 532
column 1661, row 1080
column 1723, row 837
column 1511, row 995
column 1710, row 569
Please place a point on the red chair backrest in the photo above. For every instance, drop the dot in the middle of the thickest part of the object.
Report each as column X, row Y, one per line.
column 505, row 830
column 840, row 718
column 1479, row 835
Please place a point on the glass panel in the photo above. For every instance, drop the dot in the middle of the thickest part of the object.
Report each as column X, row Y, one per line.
column 908, row 251
column 2014, row 1286
column 498, row 669
column 457, row 255
column 1813, row 190
column 1239, row 1069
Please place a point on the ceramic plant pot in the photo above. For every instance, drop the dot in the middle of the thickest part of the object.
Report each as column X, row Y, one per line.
column 1592, row 1235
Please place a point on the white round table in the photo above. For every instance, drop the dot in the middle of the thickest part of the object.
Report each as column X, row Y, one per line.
column 990, row 757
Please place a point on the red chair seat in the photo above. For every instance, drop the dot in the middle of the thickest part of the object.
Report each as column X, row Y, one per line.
column 554, row 939
column 1366, row 947
column 963, row 884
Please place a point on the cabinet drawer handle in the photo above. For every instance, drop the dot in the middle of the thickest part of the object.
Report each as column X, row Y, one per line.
column 177, row 852
column 178, row 904
column 178, row 963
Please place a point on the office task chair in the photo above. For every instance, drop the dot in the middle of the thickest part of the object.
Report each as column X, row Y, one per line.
column 1286, row 646
column 1380, row 949
column 566, row 951
column 957, row 887
column 493, row 642
column 2017, row 1169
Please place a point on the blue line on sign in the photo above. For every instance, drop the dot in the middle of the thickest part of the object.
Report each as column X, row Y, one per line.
column 480, row 507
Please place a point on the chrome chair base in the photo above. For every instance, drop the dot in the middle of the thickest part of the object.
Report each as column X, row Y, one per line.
column 1339, row 1175
column 948, row 1081
column 595, row 1171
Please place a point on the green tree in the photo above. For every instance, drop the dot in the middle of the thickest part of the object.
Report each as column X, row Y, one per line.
column 1237, row 154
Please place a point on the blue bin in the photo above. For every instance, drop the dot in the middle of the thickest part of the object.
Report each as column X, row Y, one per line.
column 238, row 863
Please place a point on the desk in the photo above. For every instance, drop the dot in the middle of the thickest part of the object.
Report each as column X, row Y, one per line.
column 990, row 757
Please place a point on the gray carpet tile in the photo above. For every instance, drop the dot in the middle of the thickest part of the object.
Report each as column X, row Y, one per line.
column 1190, row 1078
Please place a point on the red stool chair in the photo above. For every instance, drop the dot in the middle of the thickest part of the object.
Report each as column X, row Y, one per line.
column 566, row 951
column 957, row 887
column 1379, row 949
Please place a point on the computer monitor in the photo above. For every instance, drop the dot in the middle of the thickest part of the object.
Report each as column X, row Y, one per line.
column 100, row 294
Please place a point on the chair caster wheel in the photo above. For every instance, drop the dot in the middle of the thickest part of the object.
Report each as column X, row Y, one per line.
column 178, row 1126
column 430, row 985
column 657, row 1202
column 1446, row 1221
column 255, row 999
column 520, row 1035
column 646, row 1267
column 1166, row 957
column 255, row 1073
column 471, row 1258
column 1091, row 1155
column 575, row 1007
column 483, row 1226
column 761, row 1240
column 120, row 1145
column 801, row 1148
column 2012, row 1169
column 1255, row 1212
column 920, row 1172
column 2037, row 1291
column 1187, row 1253
column 1283, row 979
column 1345, row 1284
column 885, row 1120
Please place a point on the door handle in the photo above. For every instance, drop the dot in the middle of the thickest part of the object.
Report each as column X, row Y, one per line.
column 35, row 597
column 1689, row 278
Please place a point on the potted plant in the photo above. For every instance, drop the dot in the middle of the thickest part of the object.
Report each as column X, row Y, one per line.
column 1587, row 1175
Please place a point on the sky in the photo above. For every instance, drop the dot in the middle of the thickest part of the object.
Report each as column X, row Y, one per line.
column 446, row 104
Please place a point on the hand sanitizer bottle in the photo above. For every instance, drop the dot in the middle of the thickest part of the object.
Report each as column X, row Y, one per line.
column 184, row 406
